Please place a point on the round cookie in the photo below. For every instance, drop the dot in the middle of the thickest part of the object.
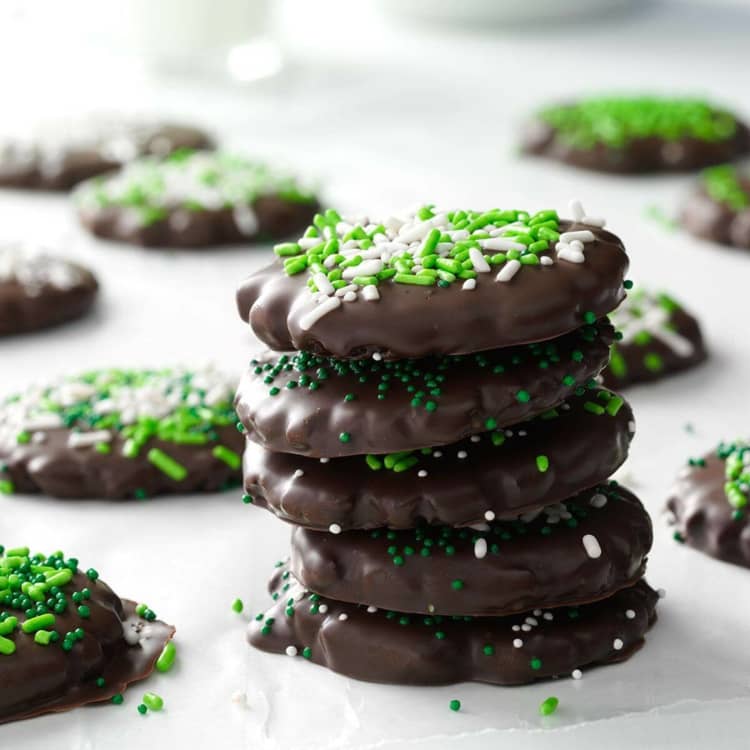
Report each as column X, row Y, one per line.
column 388, row 647
column 637, row 134
column 434, row 283
column 302, row 403
column 578, row 551
column 39, row 291
column 719, row 209
column 121, row 434
column 498, row 474
column 709, row 503
column 61, row 154
column 66, row 639
column 658, row 337
column 194, row 199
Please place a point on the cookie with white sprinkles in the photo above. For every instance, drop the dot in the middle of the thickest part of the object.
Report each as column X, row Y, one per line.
column 302, row 403
column 657, row 337
column 38, row 290
column 435, row 282
column 195, row 199
column 637, row 134
column 57, row 155
column 66, row 639
column 121, row 434
column 719, row 208
column 496, row 474
column 577, row 551
column 709, row 503
column 386, row 646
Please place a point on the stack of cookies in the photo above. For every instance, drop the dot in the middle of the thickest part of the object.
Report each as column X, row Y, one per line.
column 430, row 424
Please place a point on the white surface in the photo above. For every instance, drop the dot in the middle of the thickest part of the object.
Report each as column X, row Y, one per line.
column 408, row 117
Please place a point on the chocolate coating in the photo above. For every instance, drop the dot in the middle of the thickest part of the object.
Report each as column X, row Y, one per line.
column 526, row 564
column 60, row 162
column 653, row 347
column 713, row 220
column 540, row 303
column 277, row 218
column 469, row 392
column 703, row 517
column 55, row 468
column 637, row 156
column 28, row 307
column 46, row 679
column 582, row 449
column 401, row 649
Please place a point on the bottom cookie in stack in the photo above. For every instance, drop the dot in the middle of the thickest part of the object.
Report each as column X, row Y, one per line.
column 507, row 602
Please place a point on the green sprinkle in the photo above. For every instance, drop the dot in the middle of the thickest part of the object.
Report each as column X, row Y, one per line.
column 228, row 456
column 153, row 702
column 142, row 709
column 542, row 463
column 455, row 705
column 548, row 706
column 237, row 606
column 117, row 699
column 345, row 437
column 167, row 465
column 374, row 462
column 535, row 664
column 166, row 659
column 457, row 584
column 523, row 397
column 7, row 646
column 38, row 623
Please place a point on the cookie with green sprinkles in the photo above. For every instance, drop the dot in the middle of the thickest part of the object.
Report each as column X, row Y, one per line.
column 637, row 134
column 573, row 552
column 719, row 208
column 195, row 199
column 38, row 290
column 392, row 647
column 496, row 474
column 709, row 503
column 66, row 639
column 302, row 403
column 657, row 337
column 57, row 155
column 434, row 282
column 122, row 434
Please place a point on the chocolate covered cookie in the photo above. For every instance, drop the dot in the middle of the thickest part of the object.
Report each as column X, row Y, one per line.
column 497, row 474
column 574, row 552
column 194, row 199
column 302, row 403
column 709, row 503
column 121, row 434
column 637, row 134
column 387, row 646
column 66, row 639
column 59, row 155
column 719, row 209
column 434, row 283
column 658, row 337
column 38, row 290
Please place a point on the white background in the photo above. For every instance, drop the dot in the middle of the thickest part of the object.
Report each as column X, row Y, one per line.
column 384, row 116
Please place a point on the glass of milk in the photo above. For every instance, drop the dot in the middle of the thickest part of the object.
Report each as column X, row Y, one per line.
column 210, row 37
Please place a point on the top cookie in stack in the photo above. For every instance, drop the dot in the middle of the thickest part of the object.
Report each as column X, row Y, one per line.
column 441, row 446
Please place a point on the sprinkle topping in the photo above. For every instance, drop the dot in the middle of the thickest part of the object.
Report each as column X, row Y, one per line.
column 617, row 121
column 736, row 457
column 34, row 270
column 725, row 185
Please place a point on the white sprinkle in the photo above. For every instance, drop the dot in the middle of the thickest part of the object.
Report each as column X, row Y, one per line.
column 631, row 426
column 370, row 293
column 462, row 454
column 478, row 261
column 437, row 454
column 576, row 674
column 508, row 271
column 572, row 256
column 480, row 548
column 291, row 651
column 323, row 608
column 377, row 356
column 324, row 460
column 545, row 260
column 489, row 515
column 537, row 612
column 617, row 644
column 576, row 210
column 372, row 609
column 475, row 438
column 594, row 221
column 598, row 501
column 577, row 245
column 309, row 242
column 469, row 285
column 346, row 289
column 329, row 304
column 365, row 268
column 584, row 235
column 500, row 243
column 87, row 439
column 38, row 438
column 548, row 616
column 591, row 545
column 334, row 528
column 630, row 614
column 517, row 643
column 526, row 627
column 421, row 473
column 343, row 617
column 532, row 621
column 522, row 433
column 298, row 473
column 350, row 297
